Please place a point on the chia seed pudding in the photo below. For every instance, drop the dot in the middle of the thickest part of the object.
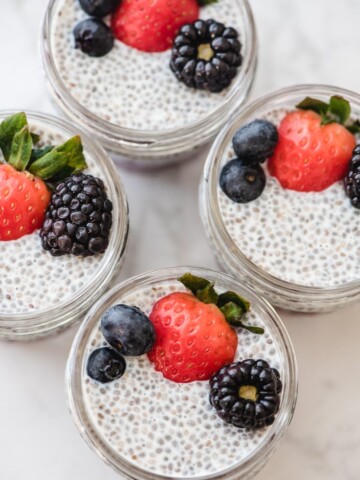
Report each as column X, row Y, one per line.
column 118, row 90
column 37, row 287
column 300, row 239
column 146, row 424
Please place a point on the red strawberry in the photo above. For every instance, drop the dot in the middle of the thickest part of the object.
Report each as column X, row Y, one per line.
column 193, row 339
column 311, row 156
column 23, row 201
column 24, row 196
column 151, row 25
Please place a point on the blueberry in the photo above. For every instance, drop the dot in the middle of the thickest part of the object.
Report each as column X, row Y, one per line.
column 128, row 330
column 105, row 365
column 99, row 8
column 256, row 141
column 242, row 182
column 93, row 37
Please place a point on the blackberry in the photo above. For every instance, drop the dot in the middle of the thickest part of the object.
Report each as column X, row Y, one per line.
column 93, row 37
column 352, row 179
column 242, row 182
column 78, row 219
column 256, row 141
column 206, row 55
column 246, row 394
column 128, row 330
column 105, row 365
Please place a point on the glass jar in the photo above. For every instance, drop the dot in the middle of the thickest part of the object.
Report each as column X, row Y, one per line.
column 230, row 256
column 86, row 416
column 32, row 315
column 155, row 146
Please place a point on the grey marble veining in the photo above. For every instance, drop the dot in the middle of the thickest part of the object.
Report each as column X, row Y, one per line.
column 300, row 41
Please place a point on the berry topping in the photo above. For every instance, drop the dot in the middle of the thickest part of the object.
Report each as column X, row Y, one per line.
column 315, row 145
column 152, row 26
column 99, row 8
column 242, row 182
column 24, row 196
column 193, row 335
column 128, row 330
column 206, row 55
column 256, row 141
column 79, row 218
column 105, row 365
column 352, row 179
column 93, row 37
column 246, row 394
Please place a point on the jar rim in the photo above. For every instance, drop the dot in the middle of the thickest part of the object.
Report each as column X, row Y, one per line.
column 46, row 319
column 74, row 369
column 212, row 211
column 128, row 138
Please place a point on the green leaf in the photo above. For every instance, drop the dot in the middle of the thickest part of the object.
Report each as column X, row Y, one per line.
column 339, row 109
column 207, row 294
column 203, row 3
column 193, row 283
column 35, row 138
column 253, row 329
column 355, row 127
column 234, row 297
column 40, row 152
column 8, row 129
column 21, row 148
column 69, row 155
column 233, row 313
column 313, row 104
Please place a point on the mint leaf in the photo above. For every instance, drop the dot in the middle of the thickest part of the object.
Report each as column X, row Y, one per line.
column 339, row 109
column 193, row 283
column 8, row 129
column 21, row 148
column 355, row 127
column 313, row 104
column 69, row 155
column 203, row 3
column 207, row 294
column 226, row 297
column 40, row 152
column 35, row 138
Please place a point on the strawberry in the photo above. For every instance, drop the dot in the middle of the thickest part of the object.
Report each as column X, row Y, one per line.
column 193, row 336
column 315, row 145
column 151, row 26
column 24, row 195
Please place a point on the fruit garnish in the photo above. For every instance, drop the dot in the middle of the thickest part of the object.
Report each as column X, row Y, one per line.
column 99, row 8
column 24, row 195
column 93, row 37
column 206, row 55
column 193, row 335
column 105, row 365
column 315, row 145
column 255, row 142
column 246, row 394
column 78, row 219
column 242, row 182
column 352, row 179
column 152, row 26
column 128, row 330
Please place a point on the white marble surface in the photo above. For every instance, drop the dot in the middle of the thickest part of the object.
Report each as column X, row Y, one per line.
column 301, row 41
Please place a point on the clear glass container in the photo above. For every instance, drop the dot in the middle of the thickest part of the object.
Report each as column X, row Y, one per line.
column 232, row 259
column 50, row 317
column 76, row 384
column 152, row 147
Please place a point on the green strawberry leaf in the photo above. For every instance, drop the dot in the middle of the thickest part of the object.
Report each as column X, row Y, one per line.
column 226, row 297
column 234, row 313
column 193, row 283
column 253, row 329
column 8, row 129
column 339, row 109
column 203, row 3
column 313, row 104
column 207, row 294
column 69, row 155
column 355, row 127
column 21, row 149
column 35, row 138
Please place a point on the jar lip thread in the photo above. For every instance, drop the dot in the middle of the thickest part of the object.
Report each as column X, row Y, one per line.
column 76, row 360
column 211, row 211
